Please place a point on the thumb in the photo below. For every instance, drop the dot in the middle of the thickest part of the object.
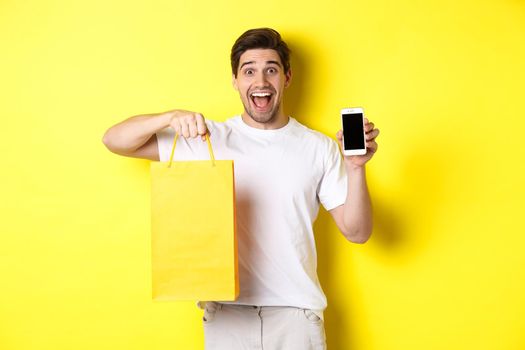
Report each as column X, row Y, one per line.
column 339, row 136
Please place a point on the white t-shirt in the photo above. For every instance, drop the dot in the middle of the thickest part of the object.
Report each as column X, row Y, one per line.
column 281, row 176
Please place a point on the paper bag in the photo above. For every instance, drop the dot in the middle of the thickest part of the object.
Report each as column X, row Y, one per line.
column 193, row 239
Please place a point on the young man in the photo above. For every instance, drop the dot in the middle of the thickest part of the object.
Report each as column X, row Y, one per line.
column 283, row 171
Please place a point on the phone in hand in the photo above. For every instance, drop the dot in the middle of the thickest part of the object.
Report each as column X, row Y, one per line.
column 353, row 121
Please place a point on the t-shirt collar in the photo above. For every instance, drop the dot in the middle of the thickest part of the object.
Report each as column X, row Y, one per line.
column 263, row 132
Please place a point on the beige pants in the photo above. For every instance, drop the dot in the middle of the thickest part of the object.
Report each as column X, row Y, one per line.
column 240, row 327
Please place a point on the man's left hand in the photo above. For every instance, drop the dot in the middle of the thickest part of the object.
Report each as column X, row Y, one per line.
column 371, row 146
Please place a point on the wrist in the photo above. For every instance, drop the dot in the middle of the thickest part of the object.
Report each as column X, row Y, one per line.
column 166, row 118
column 353, row 168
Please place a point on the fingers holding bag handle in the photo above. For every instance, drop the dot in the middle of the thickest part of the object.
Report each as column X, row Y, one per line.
column 188, row 124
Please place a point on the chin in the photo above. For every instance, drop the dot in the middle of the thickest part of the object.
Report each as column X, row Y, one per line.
column 262, row 118
column 265, row 118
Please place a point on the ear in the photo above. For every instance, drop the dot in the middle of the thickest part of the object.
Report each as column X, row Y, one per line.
column 234, row 82
column 288, row 78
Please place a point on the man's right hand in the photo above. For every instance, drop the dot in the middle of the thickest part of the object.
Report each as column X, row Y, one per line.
column 135, row 136
column 188, row 124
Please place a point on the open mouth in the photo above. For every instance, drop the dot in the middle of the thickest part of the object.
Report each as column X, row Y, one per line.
column 261, row 99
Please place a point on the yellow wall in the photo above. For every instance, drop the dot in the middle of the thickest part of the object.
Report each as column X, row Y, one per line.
column 443, row 80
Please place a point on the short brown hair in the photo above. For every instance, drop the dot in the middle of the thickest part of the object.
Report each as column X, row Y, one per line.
column 260, row 38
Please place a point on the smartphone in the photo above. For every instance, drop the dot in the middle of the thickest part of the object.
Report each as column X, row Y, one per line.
column 353, row 120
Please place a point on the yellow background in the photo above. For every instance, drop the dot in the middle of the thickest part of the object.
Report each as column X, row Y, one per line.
column 443, row 81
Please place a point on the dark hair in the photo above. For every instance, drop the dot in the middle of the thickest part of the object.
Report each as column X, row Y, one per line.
column 260, row 38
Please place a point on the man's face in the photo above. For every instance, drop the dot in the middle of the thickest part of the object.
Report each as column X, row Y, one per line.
column 261, row 82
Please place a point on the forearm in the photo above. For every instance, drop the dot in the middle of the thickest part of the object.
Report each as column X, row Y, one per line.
column 357, row 210
column 130, row 134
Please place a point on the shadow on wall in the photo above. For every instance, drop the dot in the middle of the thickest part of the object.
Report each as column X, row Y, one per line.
column 339, row 322
column 340, row 319
column 395, row 240
column 405, row 225
column 294, row 104
column 401, row 235
column 398, row 237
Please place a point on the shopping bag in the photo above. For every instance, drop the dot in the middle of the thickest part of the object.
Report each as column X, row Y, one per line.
column 193, row 238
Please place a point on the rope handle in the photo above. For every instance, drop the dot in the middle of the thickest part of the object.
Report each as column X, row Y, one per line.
column 212, row 158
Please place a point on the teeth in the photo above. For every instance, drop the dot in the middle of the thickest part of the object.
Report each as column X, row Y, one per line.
column 261, row 94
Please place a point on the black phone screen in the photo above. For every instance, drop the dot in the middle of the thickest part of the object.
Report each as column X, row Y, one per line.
column 353, row 131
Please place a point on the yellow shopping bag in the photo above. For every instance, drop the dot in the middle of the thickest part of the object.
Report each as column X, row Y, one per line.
column 194, row 246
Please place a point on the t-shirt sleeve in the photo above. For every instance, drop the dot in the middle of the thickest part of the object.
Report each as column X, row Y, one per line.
column 165, row 143
column 333, row 186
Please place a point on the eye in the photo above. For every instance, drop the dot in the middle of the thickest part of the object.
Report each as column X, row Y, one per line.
column 248, row 72
column 272, row 70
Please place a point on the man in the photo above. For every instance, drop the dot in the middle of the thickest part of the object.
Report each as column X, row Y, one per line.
column 283, row 170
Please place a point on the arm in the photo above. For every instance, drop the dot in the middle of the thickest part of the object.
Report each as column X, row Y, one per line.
column 354, row 217
column 135, row 136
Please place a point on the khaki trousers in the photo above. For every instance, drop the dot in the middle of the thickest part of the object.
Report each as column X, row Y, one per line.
column 246, row 327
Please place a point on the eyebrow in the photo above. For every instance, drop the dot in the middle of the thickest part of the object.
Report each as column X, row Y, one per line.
column 267, row 62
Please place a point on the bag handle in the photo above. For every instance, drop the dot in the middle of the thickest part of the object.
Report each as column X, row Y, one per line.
column 212, row 158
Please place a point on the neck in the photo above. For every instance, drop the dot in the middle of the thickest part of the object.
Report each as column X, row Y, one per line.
column 276, row 123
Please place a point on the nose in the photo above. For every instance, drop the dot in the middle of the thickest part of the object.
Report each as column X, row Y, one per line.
column 260, row 79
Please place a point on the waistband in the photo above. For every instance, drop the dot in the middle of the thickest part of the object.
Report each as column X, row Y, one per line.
column 213, row 306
